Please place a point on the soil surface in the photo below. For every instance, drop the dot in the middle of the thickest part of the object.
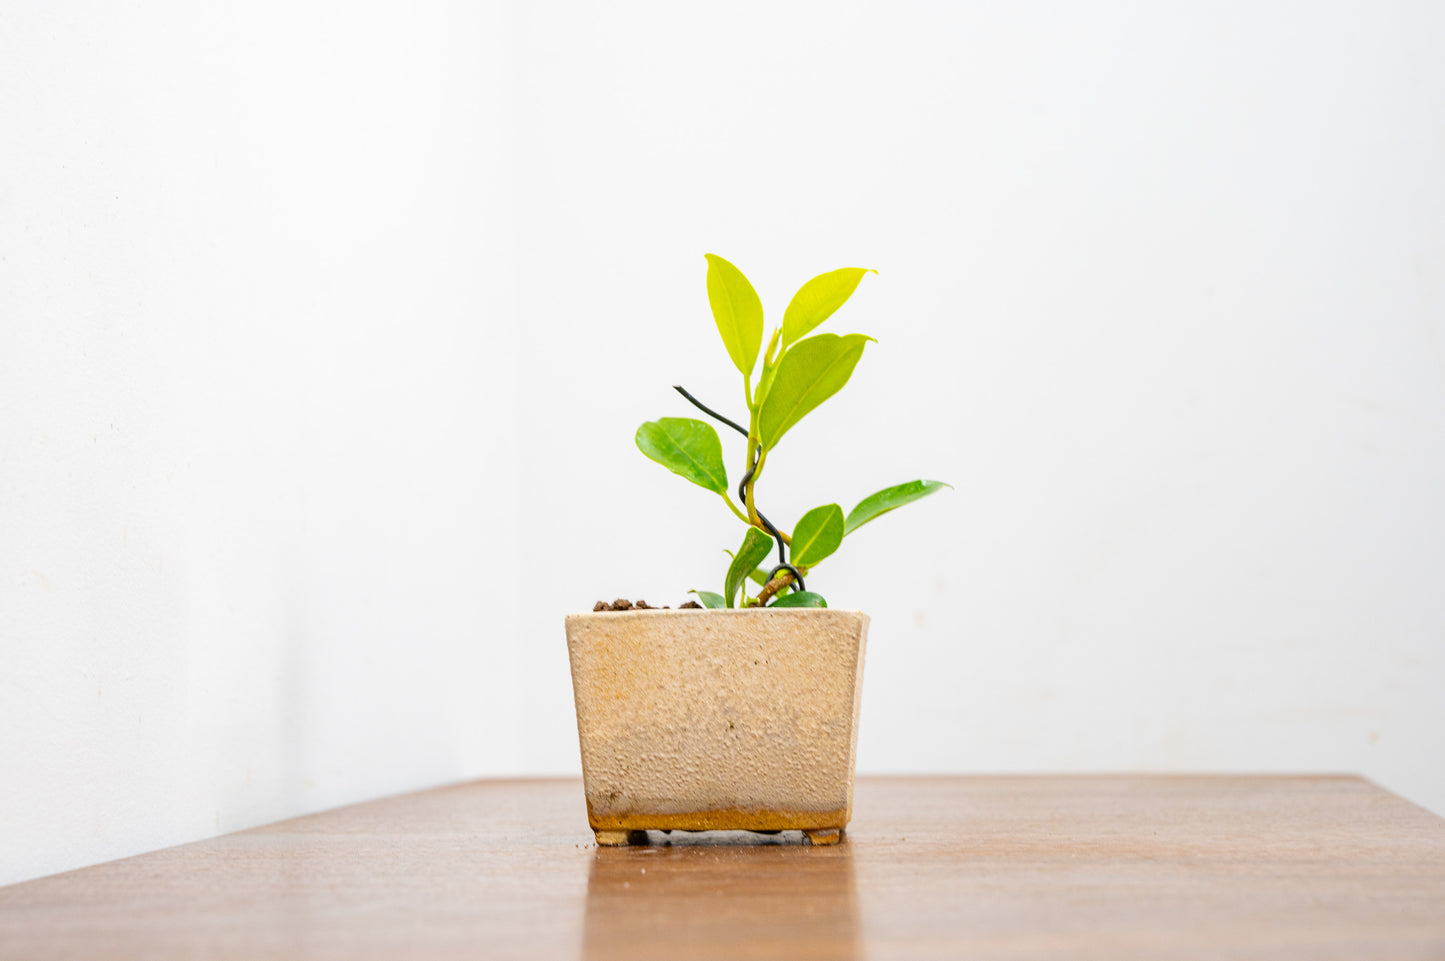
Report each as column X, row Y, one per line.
column 623, row 604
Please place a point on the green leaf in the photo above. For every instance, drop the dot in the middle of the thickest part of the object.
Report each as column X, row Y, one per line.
column 687, row 447
column 816, row 301
column 800, row 599
column 809, row 373
column 756, row 546
column 817, row 535
column 758, row 575
column 737, row 311
column 709, row 600
column 875, row 505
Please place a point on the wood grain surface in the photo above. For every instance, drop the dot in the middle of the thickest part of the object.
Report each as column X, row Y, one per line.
column 991, row 867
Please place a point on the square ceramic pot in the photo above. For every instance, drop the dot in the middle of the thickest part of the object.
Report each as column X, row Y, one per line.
column 698, row 720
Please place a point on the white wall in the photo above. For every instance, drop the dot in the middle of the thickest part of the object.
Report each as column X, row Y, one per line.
column 1161, row 291
column 324, row 332
column 256, row 310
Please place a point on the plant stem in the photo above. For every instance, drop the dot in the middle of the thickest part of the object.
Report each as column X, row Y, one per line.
column 748, row 496
column 746, row 493
column 772, row 587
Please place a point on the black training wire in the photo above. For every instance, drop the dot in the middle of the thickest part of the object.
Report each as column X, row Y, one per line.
column 708, row 410
column 797, row 578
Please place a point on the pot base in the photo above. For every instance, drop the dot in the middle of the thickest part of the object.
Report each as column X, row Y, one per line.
column 719, row 819
column 618, row 837
column 614, row 838
column 825, row 836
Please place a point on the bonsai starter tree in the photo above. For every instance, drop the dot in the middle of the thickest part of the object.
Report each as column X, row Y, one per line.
column 799, row 372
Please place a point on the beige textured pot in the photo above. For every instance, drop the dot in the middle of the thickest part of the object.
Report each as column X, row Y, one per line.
column 699, row 720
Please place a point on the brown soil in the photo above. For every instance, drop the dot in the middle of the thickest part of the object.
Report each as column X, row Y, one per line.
column 623, row 604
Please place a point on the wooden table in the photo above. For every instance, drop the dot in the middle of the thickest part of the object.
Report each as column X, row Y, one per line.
column 992, row 867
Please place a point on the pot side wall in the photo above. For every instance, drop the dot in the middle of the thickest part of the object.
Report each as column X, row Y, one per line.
column 732, row 719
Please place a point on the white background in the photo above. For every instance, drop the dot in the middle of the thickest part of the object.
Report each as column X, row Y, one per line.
column 325, row 328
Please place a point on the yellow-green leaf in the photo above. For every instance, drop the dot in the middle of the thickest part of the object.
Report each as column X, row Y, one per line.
column 810, row 372
column 770, row 369
column 765, row 383
column 737, row 311
column 817, row 535
column 816, row 301
column 689, row 448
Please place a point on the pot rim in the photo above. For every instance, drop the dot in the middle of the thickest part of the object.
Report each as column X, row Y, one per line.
column 734, row 611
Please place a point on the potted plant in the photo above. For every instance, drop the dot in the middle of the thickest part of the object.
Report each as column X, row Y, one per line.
column 742, row 712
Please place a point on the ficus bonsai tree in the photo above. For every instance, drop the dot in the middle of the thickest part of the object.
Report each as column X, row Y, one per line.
column 799, row 372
